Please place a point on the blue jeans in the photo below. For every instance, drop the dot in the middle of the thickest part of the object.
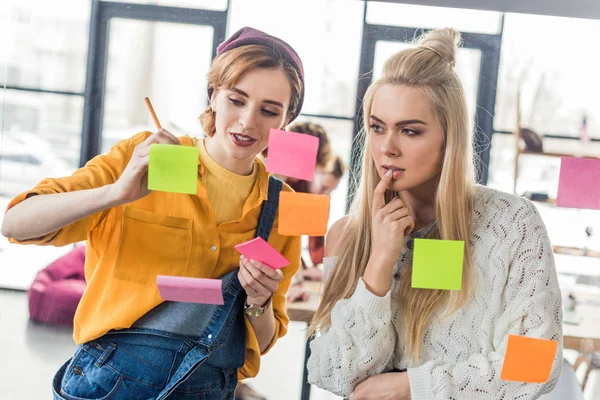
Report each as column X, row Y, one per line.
column 152, row 364
column 133, row 366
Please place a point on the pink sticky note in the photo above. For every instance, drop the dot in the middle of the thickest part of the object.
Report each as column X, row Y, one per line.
column 579, row 183
column 190, row 290
column 292, row 154
column 259, row 250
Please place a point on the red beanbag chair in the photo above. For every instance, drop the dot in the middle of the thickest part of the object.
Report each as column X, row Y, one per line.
column 57, row 289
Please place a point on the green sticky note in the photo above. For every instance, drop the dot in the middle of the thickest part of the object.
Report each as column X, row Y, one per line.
column 173, row 168
column 438, row 264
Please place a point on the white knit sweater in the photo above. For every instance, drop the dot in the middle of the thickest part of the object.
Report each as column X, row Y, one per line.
column 516, row 293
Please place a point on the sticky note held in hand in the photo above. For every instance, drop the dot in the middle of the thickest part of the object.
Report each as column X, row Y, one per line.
column 579, row 183
column 303, row 214
column 259, row 250
column 438, row 264
column 173, row 168
column 292, row 154
column 190, row 290
column 528, row 359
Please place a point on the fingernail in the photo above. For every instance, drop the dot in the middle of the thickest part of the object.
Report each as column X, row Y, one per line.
column 388, row 173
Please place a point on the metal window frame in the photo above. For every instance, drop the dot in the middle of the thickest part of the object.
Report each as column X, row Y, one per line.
column 95, row 87
column 39, row 90
column 488, row 44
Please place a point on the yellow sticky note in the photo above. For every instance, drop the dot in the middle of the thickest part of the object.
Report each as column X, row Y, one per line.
column 173, row 168
column 528, row 359
column 303, row 214
column 438, row 264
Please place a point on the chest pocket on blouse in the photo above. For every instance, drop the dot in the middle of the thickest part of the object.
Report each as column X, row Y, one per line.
column 151, row 245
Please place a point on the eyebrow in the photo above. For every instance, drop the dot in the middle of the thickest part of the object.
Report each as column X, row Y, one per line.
column 401, row 123
column 241, row 92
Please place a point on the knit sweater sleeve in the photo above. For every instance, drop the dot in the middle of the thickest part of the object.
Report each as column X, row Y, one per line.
column 531, row 306
column 358, row 344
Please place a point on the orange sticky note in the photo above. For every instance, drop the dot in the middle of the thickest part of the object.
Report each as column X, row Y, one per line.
column 528, row 359
column 303, row 214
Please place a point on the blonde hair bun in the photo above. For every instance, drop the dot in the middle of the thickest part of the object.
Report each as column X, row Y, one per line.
column 443, row 42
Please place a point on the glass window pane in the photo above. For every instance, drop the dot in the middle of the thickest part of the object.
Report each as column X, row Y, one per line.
column 340, row 137
column 41, row 137
column 536, row 173
column 467, row 66
column 47, row 43
column 566, row 227
column 433, row 17
column 327, row 40
column 556, row 73
column 154, row 60
column 217, row 5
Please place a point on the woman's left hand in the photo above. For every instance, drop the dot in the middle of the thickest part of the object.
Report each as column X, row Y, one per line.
column 258, row 280
column 389, row 386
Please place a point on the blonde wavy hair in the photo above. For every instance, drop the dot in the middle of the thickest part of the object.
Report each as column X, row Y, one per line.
column 430, row 67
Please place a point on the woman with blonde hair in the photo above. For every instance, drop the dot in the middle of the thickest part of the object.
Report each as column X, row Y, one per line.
column 376, row 337
column 132, row 344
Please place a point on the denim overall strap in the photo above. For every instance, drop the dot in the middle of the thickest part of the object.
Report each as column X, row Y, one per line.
column 269, row 209
column 226, row 320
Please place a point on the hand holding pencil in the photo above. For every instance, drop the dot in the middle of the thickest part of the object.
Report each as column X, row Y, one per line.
column 133, row 182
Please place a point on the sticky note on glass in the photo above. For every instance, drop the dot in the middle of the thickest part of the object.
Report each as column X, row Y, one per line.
column 303, row 214
column 438, row 264
column 173, row 168
column 259, row 250
column 190, row 290
column 528, row 359
column 579, row 183
column 292, row 154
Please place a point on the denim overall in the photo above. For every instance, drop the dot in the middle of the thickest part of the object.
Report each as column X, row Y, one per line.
column 149, row 362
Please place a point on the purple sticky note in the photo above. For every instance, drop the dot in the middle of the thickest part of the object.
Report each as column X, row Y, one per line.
column 190, row 290
column 579, row 183
column 292, row 154
column 259, row 250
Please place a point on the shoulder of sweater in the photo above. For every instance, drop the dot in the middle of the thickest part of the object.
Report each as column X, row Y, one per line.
column 490, row 200
column 502, row 216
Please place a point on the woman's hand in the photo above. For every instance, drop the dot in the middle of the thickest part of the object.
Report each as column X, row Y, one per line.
column 390, row 386
column 390, row 224
column 258, row 280
column 133, row 182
